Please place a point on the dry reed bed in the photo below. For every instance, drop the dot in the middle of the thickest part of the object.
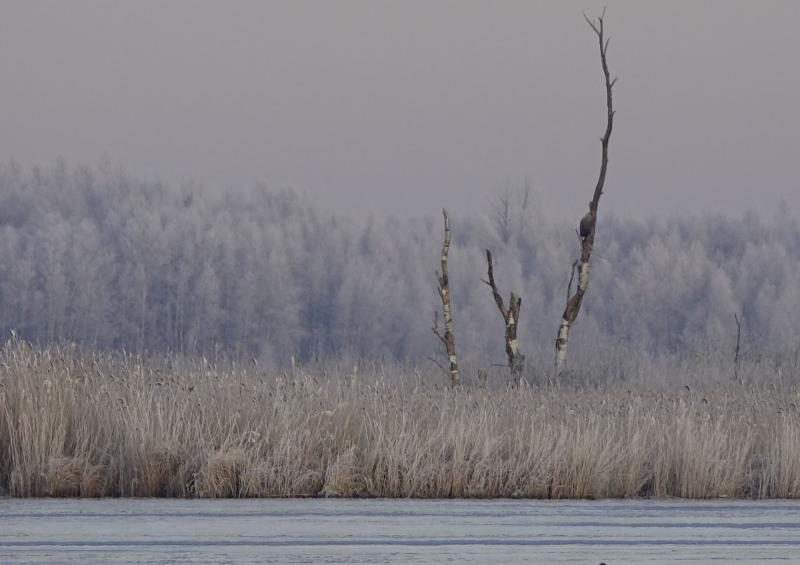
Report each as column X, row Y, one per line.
column 109, row 426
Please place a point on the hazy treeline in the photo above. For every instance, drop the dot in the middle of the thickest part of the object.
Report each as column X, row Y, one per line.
column 106, row 259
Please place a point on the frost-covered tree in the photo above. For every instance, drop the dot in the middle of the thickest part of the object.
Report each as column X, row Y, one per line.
column 105, row 259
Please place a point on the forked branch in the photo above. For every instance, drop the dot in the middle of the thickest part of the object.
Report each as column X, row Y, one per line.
column 510, row 314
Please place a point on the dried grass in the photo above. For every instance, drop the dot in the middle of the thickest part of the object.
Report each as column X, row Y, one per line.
column 77, row 425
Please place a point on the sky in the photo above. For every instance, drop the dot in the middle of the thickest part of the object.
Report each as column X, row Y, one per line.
column 406, row 106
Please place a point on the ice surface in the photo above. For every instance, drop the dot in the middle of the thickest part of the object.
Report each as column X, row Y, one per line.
column 397, row 531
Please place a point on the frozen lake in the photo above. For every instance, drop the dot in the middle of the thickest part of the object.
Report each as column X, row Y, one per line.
column 392, row 531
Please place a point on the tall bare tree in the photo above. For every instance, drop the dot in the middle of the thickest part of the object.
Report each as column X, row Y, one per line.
column 510, row 314
column 447, row 338
column 588, row 223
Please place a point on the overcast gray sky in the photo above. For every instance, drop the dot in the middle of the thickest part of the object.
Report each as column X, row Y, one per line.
column 408, row 105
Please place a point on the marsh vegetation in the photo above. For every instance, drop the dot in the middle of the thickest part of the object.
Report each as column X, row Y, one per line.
column 76, row 424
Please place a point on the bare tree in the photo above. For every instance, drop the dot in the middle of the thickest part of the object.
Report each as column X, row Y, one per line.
column 501, row 215
column 589, row 221
column 509, row 210
column 448, row 338
column 510, row 314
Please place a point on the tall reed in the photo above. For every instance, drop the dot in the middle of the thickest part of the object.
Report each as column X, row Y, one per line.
column 97, row 425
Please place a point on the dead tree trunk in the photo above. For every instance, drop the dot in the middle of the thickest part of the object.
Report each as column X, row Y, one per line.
column 448, row 338
column 589, row 221
column 516, row 360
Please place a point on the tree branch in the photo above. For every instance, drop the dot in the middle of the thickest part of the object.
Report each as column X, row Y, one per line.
column 498, row 299
column 598, row 28
column 446, row 372
column 436, row 330
column 571, row 278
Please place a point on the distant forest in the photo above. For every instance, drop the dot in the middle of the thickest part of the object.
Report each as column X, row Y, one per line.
column 95, row 256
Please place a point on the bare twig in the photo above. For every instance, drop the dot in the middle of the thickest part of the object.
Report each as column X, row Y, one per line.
column 442, row 367
column 738, row 344
column 435, row 328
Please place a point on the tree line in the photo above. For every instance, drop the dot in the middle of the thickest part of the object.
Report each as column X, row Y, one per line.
column 99, row 257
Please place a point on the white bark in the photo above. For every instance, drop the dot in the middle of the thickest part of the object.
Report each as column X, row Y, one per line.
column 561, row 345
column 448, row 339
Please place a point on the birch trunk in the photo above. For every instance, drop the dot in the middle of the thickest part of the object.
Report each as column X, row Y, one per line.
column 589, row 221
column 448, row 338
